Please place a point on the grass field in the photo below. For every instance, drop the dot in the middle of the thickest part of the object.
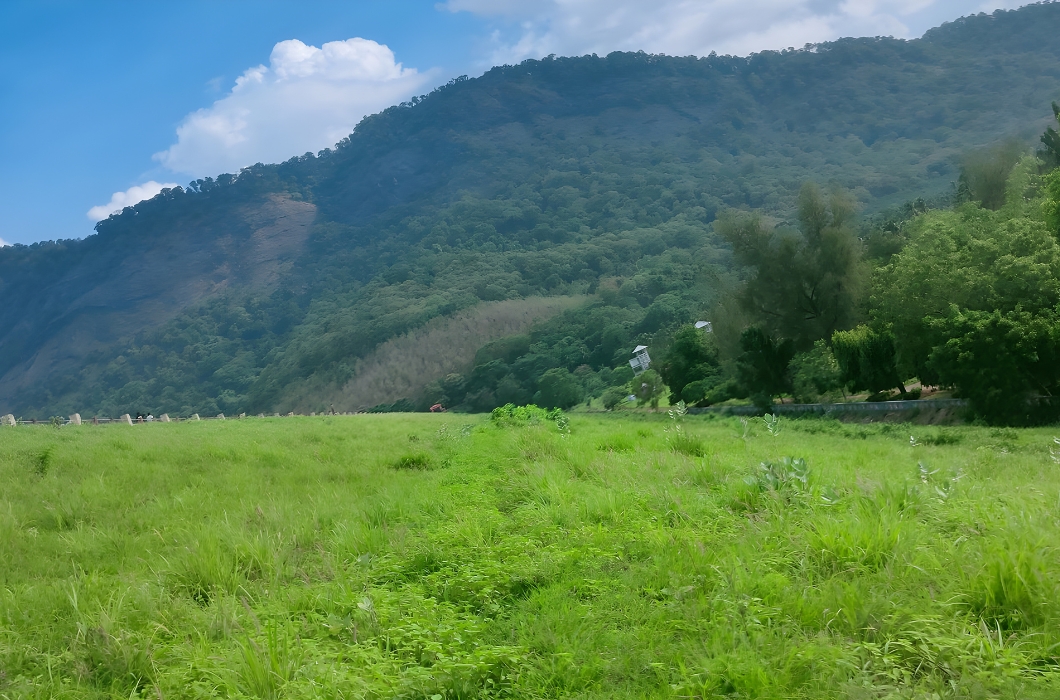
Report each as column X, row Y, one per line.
column 426, row 556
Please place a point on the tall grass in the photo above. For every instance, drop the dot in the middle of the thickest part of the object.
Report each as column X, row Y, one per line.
column 457, row 557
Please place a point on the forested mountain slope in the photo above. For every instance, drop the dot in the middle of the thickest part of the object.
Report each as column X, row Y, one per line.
column 566, row 176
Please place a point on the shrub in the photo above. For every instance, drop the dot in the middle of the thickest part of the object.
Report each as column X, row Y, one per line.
column 614, row 396
column 512, row 415
column 790, row 474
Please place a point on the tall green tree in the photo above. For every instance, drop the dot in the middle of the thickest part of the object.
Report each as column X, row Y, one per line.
column 804, row 285
column 648, row 388
column 867, row 360
column 971, row 259
column 691, row 362
column 985, row 173
column 1051, row 140
column 1002, row 361
column 1051, row 200
column 815, row 373
column 762, row 367
column 558, row 388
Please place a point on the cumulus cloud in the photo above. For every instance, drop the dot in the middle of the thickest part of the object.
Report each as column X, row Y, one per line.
column 306, row 99
column 3, row 243
column 535, row 28
column 131, row 196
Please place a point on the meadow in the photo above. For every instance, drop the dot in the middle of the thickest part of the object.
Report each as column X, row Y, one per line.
column 452, row 556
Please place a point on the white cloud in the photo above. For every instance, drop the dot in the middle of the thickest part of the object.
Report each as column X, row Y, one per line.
column 536, row 28
column 131, row 196
column 306, row 99
column 3, row 243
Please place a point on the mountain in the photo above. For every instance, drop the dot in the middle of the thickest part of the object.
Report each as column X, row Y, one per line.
column 599, row 176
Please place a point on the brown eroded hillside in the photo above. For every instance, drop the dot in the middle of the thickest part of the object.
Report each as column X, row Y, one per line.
column 120, row 288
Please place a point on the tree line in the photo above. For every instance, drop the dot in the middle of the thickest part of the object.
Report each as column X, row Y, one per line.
column 964, row 297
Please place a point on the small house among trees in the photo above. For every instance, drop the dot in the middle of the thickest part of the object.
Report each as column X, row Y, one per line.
column 640, row 362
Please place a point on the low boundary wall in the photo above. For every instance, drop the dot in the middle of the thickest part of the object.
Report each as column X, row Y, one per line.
column 835, row 408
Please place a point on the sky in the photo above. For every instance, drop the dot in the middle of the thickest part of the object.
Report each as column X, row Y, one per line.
column 104, row 103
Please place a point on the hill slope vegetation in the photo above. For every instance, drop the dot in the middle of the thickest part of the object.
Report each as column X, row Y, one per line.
column 565, row 176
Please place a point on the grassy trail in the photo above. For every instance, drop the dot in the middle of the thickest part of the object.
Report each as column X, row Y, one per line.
column 425, row 556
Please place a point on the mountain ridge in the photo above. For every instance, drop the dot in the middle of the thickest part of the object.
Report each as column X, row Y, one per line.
column 536, row 179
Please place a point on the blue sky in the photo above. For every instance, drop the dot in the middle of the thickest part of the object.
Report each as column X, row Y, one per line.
column 103, row 102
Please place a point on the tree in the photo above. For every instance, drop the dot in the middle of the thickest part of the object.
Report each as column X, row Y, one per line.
column 648, row 388
column 804, row 285
column 969, row 258
column 1051, row 202
column 448, row 391
column 692, row 358
column 1051, row 140
column 558, row 388
column 815, row 373
column 590, row 382
column 762, row 367
column 985, row 173
column 1001, row 360
column 613, row 396
column 866, row 360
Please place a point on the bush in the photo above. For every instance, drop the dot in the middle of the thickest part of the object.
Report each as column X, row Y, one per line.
column 614, row 396
column 512, row 415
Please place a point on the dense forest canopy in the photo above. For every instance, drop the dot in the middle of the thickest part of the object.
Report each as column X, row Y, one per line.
column 600, row 177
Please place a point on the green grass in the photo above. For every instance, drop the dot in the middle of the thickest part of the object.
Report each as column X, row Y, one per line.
column 424, row 556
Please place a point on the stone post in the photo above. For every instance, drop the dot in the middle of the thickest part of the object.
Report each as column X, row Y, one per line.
column 75, row 419
column 164, row 418
column 9, row 419
column 126, row 418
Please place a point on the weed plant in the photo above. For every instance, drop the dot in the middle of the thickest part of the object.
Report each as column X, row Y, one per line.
column 289, row 558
